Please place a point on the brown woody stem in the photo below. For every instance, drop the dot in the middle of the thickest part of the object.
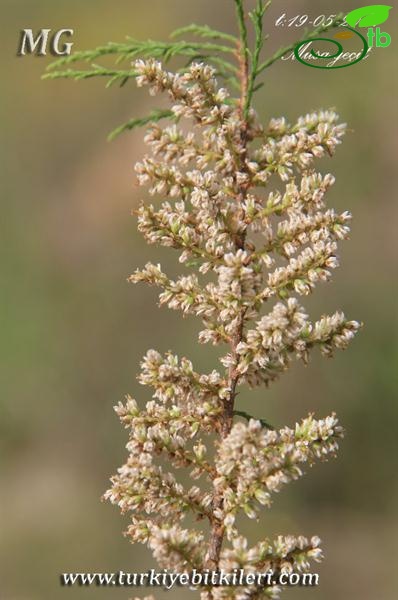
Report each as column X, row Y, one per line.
column 226, row 419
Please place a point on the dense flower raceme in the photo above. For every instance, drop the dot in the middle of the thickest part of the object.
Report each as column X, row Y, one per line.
column 243, row 204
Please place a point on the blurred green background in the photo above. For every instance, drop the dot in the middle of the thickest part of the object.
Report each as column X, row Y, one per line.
column 73, row 330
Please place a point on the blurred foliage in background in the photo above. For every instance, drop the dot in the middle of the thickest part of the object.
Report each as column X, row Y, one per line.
column 73, row 330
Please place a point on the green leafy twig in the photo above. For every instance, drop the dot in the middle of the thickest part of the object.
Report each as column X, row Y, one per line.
column 155, row 116
column 149, row 48
column 245, row 415
column 95, row 71
column 257, row 19
column 242, row 26
column 204, row 31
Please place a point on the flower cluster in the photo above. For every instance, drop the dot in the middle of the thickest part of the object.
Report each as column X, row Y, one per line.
column 285, row 554
column 244, row 204
column 251, row 462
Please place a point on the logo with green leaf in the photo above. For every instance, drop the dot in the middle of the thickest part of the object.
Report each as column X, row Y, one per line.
column 367, row 16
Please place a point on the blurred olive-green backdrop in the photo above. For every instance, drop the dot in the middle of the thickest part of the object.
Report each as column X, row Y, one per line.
column 73, row 330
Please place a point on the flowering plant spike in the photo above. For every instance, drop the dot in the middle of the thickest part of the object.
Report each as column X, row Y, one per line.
column 244, row 207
